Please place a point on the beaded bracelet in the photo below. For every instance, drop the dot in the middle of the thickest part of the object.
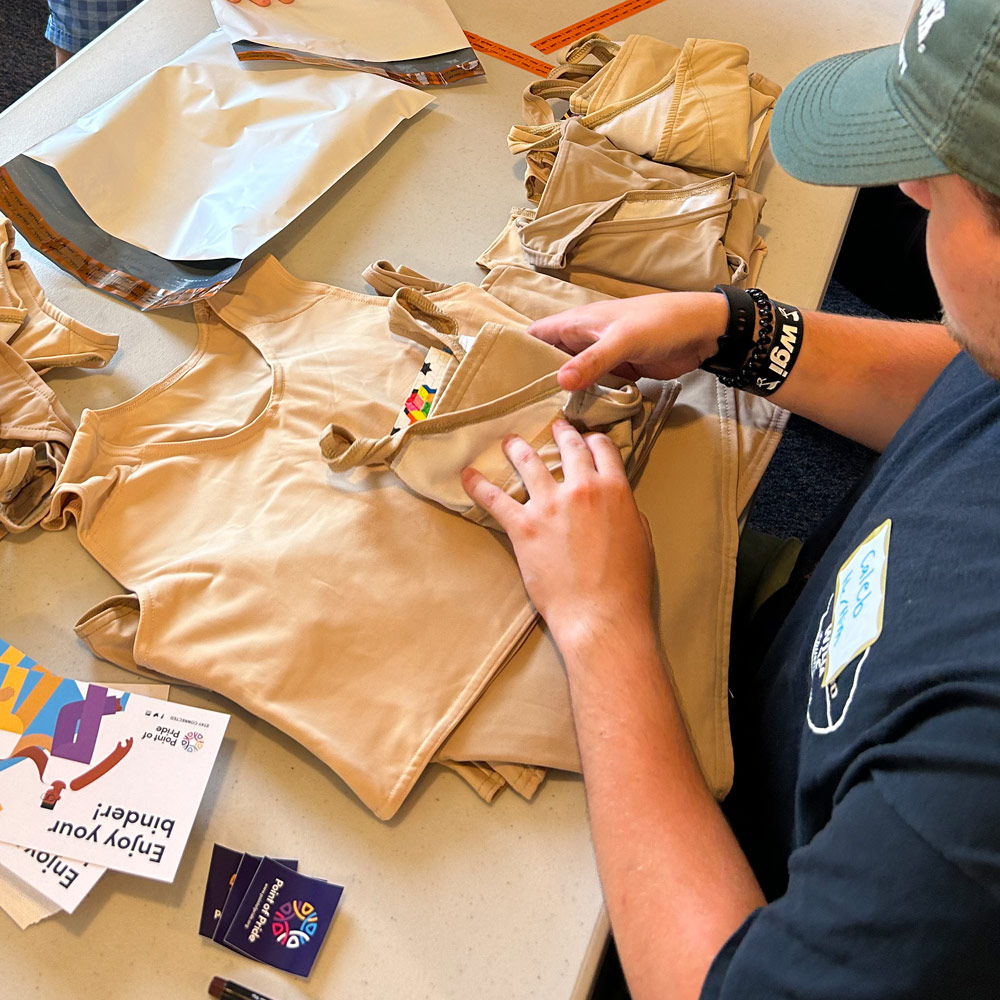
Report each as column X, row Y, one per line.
column 762, row 345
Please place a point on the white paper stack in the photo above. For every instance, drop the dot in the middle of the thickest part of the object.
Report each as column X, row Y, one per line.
column 92, row 777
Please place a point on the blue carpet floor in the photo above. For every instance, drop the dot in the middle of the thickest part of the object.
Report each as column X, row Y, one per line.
column 813, row 468
column 25, row 55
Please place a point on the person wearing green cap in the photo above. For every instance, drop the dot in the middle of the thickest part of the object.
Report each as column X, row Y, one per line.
column 859, row 852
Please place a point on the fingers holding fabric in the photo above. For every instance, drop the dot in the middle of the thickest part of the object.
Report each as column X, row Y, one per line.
column 577, row 460
column 505, row 510
column 605, row 456
column 609, row 354
column 657, row 336
column 571, row 331
column 529, row 465
column 581, row 332
column 581, row 544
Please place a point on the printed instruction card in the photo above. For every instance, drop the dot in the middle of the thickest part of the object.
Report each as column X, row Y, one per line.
column 98, row 774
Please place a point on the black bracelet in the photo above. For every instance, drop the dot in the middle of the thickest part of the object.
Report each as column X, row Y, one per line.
column 757, row 365
column 761, row 346
column 775, row 350
column 737, row 339
column 782, row 356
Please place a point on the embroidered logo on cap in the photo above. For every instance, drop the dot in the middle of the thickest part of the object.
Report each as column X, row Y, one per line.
column 931, row 11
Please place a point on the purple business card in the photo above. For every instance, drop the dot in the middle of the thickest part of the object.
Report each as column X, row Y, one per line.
column 221, row 874
column 283, row 918
column 229, row 876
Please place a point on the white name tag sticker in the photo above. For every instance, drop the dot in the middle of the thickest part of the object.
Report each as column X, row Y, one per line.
column 859, row 602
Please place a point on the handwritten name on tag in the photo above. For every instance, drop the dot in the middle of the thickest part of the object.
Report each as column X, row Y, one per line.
column 859, row 601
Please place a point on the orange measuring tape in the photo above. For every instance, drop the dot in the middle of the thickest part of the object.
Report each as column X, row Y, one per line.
column 594, row 23
column 509, row 55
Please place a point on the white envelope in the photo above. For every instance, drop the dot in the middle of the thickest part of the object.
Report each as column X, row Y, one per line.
column 208, row 158
column 373, row 30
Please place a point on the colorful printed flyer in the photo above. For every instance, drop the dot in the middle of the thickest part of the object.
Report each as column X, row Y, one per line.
column 98, row 774
column 62, row 880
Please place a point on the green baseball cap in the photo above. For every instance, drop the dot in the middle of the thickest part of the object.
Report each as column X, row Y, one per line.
column 929, row 106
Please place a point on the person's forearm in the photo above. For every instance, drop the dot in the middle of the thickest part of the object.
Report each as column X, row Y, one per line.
column 863, row 377
column 859, row 377
column 675, row 881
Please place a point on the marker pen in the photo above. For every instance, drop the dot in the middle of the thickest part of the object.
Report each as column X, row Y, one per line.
column 225, row 989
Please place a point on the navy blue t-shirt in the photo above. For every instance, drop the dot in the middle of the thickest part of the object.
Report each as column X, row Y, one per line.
column 869, row 802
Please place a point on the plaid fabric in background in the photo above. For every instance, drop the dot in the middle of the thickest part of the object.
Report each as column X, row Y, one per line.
column 73, row 23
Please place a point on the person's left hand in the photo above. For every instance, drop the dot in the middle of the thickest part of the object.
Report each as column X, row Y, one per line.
column 583, row 548
column 262, row 3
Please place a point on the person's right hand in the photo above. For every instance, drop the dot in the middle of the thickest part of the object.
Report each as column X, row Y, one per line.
column 656, row 336
column 584, row 550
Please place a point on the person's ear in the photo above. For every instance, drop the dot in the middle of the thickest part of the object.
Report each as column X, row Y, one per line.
column 919, row 191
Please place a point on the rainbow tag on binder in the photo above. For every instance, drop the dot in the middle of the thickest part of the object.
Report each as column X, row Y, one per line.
column 420, row 402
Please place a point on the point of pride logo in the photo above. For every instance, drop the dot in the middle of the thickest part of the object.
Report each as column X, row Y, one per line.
column 193, row 742
column 294, row 923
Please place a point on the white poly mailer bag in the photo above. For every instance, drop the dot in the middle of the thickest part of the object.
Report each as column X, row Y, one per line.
column 208, row 158
column 372, row 30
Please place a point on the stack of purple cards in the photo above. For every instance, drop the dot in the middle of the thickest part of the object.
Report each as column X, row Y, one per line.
column 265, row 909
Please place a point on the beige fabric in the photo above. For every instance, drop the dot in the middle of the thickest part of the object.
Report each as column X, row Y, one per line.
column 536, row 295
column 110, row 629
column 488, row 778
column 481, row 778
column 506, row 251
column 525, row 706
column 698, row 479
column 42, row 334
column 35, row 434
column 722, row 440
column 504, row 382
column 609, row 219
column 35, row 430
column 386, row 279
column 696, row 107
column 759, row 422
column 688, row 223
column 319, row 602
column 524, row 780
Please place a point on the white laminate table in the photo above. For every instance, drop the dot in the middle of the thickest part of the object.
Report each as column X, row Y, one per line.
column 453, row 898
